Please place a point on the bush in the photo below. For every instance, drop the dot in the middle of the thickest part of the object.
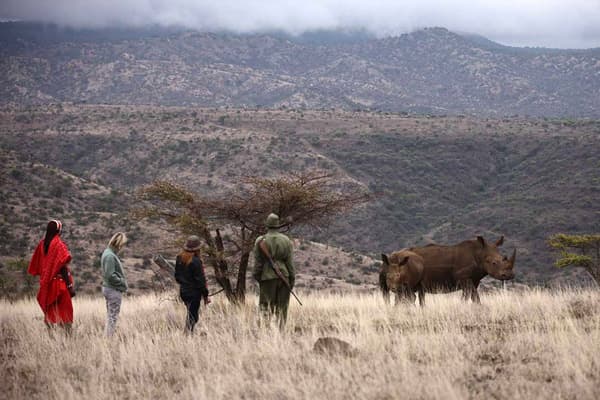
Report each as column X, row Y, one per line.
column 15, row 282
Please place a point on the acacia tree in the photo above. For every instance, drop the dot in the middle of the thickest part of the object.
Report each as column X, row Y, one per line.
column 307, row 198
column 578, row 250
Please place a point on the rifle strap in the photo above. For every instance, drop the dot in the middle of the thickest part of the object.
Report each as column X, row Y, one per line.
column 265, row 250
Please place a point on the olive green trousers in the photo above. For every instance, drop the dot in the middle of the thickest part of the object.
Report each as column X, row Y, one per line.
column 274, row 299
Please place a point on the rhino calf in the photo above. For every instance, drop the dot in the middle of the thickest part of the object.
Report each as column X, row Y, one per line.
column 403, row 275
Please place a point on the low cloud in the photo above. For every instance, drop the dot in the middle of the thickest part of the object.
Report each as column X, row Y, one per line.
column 549, row 23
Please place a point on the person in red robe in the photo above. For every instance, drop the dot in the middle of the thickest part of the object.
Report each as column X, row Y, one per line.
column 50, row 261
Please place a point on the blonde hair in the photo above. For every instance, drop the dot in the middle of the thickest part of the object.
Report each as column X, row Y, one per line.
column 117, row 241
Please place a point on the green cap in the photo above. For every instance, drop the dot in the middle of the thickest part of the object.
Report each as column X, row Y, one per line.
column 272, row 221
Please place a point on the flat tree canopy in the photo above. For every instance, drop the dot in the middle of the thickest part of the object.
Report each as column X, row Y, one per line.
column 579, row 251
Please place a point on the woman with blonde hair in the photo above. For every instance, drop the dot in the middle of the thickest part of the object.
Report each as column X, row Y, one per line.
column 189, row 273
column 114, row 282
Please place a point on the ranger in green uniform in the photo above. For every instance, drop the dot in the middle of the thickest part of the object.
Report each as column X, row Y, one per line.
column 274, row 294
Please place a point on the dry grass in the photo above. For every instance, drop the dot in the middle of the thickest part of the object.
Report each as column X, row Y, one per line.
column 535, row 344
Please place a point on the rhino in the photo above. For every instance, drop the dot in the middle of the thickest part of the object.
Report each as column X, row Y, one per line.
column 404, row 272
column 450, row 268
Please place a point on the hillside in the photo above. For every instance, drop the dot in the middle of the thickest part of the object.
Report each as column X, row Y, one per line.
column 428, row 71
column 435, row 179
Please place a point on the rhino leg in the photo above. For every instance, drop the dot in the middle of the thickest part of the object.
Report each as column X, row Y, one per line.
column 406, row 296
column 409, row 297
column 399, row 299
column 421, row 293
column 386, row 295
column 467, row 287
column 475, row 295
column 385, row 291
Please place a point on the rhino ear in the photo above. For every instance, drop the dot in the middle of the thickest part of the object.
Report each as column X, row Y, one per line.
column 404, row 261
column 500, row 241
column 481, row 240
column 385, row 260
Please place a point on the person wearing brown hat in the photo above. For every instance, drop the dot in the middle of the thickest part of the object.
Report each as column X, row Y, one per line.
column 274, row 296
column 189, row 273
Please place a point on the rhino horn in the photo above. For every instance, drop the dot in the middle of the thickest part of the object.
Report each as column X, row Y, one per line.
column 513, row 258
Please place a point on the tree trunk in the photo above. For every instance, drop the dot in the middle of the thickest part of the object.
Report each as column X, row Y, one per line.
column 594, row 273
column 219, row 263
column 240, row 289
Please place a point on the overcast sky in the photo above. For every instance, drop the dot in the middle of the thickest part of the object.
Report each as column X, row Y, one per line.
column 548, row 23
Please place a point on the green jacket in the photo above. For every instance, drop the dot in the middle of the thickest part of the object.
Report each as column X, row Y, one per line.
column 281, row 249
column 113, row 275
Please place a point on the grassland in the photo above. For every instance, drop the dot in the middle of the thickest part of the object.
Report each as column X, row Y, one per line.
column 515, row 345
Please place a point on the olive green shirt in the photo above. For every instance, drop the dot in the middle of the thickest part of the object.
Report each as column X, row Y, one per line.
column 281, row 249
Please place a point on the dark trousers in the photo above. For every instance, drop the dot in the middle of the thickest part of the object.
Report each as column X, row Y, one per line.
column 192, row 304
column 274, row 298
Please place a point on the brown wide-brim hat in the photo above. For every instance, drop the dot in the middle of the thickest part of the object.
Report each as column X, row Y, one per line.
column 192, row 243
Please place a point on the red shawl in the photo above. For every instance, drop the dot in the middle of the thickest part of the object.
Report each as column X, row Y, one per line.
column 47, row 266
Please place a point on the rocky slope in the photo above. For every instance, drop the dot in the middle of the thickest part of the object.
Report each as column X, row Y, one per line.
column 435, row 179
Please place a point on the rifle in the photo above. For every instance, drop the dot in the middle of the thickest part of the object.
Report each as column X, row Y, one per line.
column 263, row 247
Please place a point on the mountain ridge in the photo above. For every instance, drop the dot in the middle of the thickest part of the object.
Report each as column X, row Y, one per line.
column 428, row 71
